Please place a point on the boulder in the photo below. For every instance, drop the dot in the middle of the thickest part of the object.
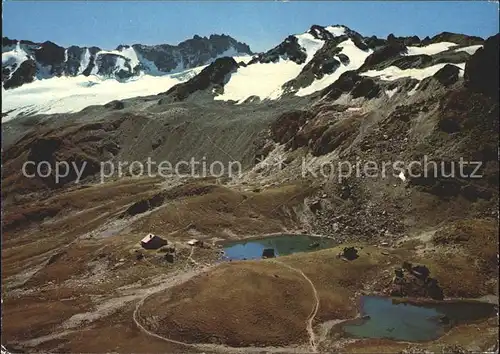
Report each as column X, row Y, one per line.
column 344, row 59
column 170, row 257
column 447, row 75
column 349, row 253
column 414, row 281
column 268, row 253
column 137, row 208
column 315, row 206
column 314, row 245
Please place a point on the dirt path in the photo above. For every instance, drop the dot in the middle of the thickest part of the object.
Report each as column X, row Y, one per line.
column 309, row 322
column 183, row 277
column 174, row 281
column 190, row 257
column 179, row 279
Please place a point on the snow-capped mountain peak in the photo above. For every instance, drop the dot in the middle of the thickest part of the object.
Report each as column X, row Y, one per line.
column 321, row 60
column 46, row 60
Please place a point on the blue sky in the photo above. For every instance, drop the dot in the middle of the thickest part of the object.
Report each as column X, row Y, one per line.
column 260, row 24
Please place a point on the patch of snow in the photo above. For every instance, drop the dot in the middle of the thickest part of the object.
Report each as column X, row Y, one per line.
column 95, row 68
column 15, row 56
column 394, row 73
column 390, row 93
column 113, row 52
column 187, row 74
column 430, row 49
column 462, row 69
column 260, row 79
column 65, row 55
column 310, row 44
column 230, row 52
column 470, row 49
column 245, row 58
column 317, row 31
column 120, row 64
column 356, row 58
column 233, row 53
column 413, row 91
column 84, row 61
column 130, row 54
column 337, row 31
column 123, row 56
column 72, row 94
column 402, row 176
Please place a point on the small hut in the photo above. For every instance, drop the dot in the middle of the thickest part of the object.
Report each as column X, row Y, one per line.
column 153, row 242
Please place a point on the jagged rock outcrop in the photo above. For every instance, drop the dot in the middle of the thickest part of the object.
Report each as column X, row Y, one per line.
column 390, row 50
column 214, row 76
column 459, row 38
column 349, row 253
column 352, row 82
column 408, row 41
column 289, row 49
column 481, row 70
column 325, row 61
column 124, row 62
column 447, row 75
column 52, row 56
column 414, row 281
column 25, row 73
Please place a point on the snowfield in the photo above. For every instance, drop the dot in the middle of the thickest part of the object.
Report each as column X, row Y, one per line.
column 470, row 49
column 72, row 94
column 84, row 61
column 337, row 31
column 394, row 73
column 265, row 80
column 310, row 44
column 391, row 93
column 430, row 49
column 262, row 80
column 356, row 58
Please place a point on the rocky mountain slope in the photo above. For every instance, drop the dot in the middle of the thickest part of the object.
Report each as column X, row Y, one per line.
column 24, row 61
column 444, row 116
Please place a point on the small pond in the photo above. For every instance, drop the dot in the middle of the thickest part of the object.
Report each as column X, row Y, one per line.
column 411, row 322
column 281, row 244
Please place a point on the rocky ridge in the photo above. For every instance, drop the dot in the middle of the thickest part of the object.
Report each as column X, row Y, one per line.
column 23, row 61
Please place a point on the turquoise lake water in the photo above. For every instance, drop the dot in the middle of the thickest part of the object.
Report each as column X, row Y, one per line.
column 282, row 244
column 408, row 322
